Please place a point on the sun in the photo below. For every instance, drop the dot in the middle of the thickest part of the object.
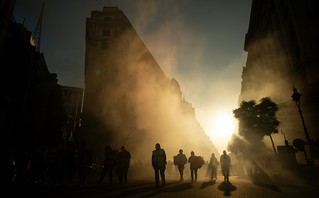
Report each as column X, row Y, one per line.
column 222, row 127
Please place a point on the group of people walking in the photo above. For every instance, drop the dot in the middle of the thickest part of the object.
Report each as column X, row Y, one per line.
column 74, row 164
column 180, row 160
column 115, row 162
column 224, row 163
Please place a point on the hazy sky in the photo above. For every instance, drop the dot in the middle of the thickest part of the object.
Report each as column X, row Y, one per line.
column 198, row 42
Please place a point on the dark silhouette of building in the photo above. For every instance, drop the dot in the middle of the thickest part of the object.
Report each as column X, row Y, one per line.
column 31, row 110
column 6, row 10
column 283, row 44
column 128, row 98
column 31, row 103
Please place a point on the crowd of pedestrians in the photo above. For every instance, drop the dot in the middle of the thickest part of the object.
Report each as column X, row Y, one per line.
column 48, row 165
column 159, row 164
column 68, row 165
column 73, row 164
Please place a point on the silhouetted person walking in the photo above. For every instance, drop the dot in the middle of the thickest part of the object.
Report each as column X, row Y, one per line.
column 196, row 162
column 225, row 164
column 69, row 156
column 108, row 164
column 159, row 163
column 85, row 160
column 123, row 162
column 193, row 165
column 213, row 163
column 180, row 160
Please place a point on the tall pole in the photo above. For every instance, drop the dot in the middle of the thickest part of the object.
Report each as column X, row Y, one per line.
column 296, row 97
column 303, row 122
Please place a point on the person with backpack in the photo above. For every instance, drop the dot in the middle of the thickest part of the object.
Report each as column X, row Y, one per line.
column 159, row 163
column 225, row 164
column 196, row 162
column 180, row 160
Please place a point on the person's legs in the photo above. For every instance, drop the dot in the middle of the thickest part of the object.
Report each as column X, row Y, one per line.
column 195, row 174
column 125, row 175
column 181, row 170
column 120, row 174
column 227, row 174
column 224, row 173
column 192, row 174
column 162, row 172
column 214, row 173
column 111, row 175
column 102, row 175
column 85, row 170
column 156, row 170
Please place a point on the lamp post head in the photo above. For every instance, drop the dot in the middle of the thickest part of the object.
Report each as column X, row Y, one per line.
column 296, row 96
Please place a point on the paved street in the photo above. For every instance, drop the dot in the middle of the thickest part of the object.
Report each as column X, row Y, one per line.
column 239, row 188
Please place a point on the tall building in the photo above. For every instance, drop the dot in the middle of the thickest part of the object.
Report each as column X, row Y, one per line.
column 31, row 111
column 283, row 44
column 128, row 99
column 6, row 10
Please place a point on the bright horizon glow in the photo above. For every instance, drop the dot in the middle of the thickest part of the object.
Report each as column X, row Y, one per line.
column 221, row 128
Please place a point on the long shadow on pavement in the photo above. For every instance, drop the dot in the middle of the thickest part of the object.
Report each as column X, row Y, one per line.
column 176, row 188
column 227, row 188
column 206, row 184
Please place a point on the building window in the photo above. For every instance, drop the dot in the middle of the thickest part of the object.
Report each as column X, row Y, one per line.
column 107, row 18
column 104, row 44
column 106, row 33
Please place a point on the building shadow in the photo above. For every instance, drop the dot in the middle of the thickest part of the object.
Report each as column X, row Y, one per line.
column 206, row 184
column 227, row 188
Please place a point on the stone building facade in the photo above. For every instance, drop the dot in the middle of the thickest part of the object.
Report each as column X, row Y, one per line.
column 128, row 99
column 283, row 45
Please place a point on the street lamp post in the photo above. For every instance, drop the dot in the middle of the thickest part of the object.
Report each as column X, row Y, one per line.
column 296, row 97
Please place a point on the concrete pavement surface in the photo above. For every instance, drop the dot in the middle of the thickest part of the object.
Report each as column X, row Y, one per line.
column 239, row 187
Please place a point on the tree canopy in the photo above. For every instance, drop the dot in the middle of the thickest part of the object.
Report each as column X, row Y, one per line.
column 257, row 120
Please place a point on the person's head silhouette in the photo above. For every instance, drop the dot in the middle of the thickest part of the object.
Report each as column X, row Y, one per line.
column 122, row 148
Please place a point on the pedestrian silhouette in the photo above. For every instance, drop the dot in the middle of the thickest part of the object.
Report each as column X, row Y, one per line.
column 108, row 164
column 196, row 162
column 225, row 164
column 84, row 162
column 213, row 163
column 159, row 163
column 180, row 160
column 69, row 156
column 123, row 162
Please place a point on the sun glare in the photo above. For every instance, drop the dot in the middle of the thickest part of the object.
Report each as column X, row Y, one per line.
column 221, row 128
column 223, row 125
